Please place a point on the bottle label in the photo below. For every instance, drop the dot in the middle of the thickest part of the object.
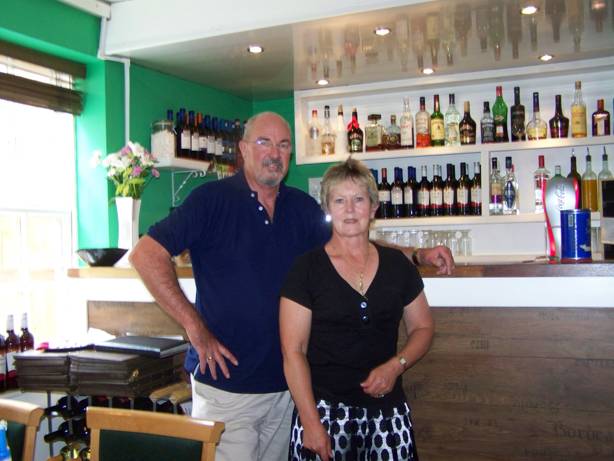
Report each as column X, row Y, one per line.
column 578, row 120
column 355, row 144
column 453, row 133
column 488, row 133
column 462, row 196
column 424, row 198
column 219, row 147
column 509, row 195
column 422, row 124
column 397, row 196
column 599, row 123
column 384, row 196
column 203, row 143
column 407, row 132
column 467, row 135
column 436, row 197
column 408, row 196
column 437, row 129
column 211, row 144
column 195, row 142
column 186, row 140
column 476, row 195
column 448, row 196
column 10, row 362
column 374, row 136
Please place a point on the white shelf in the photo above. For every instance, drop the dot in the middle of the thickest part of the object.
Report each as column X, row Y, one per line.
column 183, row 164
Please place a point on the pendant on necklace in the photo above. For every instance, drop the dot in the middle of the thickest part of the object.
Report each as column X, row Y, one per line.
column 360, row 284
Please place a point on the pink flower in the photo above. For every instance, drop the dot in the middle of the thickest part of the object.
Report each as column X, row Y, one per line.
column 155, row 173
column 137, row 170
column 125, row 150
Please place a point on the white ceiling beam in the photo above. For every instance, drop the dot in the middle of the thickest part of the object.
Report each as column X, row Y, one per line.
column 95, row 7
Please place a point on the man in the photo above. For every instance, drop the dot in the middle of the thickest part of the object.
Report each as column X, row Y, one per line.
column 243, row 233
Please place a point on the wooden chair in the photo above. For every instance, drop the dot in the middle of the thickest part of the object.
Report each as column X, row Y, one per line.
column 122, row 435
column 22, row 420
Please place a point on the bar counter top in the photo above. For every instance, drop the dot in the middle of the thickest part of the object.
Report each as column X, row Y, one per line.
column 528, row 268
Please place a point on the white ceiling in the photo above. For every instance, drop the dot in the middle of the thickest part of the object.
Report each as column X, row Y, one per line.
column 209, row 45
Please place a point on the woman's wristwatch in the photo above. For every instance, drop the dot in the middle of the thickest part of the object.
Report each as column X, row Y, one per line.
column 402, row 361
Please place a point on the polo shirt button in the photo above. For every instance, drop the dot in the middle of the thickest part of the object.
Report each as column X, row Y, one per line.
column 266, row 221
column 253, row 195
column 363, row 304
column 260, row 208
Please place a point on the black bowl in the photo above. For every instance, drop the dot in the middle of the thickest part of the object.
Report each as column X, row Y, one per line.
column 105, row 257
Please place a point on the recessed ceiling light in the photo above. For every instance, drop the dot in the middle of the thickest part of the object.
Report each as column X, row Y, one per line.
column 322, row 82
column 546, row 57
column 255, row 49
column 529, row 10
column 381, row 31
column 427, row 71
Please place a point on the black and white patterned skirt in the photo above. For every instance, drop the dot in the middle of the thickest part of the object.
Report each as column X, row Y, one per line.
column 359, row 435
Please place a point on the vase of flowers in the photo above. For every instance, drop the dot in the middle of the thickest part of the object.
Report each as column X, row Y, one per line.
column 130, row 170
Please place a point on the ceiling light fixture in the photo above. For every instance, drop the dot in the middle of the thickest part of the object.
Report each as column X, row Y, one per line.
column 322, row 82
column 546, row 57
column 382, row 31
column 255, row 49
column 427, row 71
column 529, row 10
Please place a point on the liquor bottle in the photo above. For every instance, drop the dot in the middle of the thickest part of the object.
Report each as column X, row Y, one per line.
column 354, row 134
column 487, row 125
column 210, row 139
column 195, row 136
column 573, row 174
column 499, row 113
column 517, row 115
column 452, row 124
column 374, row 133
column 495, row 205
column 449, row 192
column 589, row 186
column 423, row 126
column 384, row 211
column 424, row 194
column 313, row 135
column 328, row 135
column 438, row 131
column 407, row 126
column 578, row 113
column 475, row 194
column 11, row 346
column 510, row 189
column 604, row 175
column 341, row 139
column 67, row 407
column 69, row 431
column 219, row 143
column 396, row 194
column 467, row 126
column 559, row 124
column 26, row 340
column 184, row 137
column 601, row 120
column 392, row 135
column 410, row 193
column 2, row 364
column 536, row 128
column 463, row 204
column 436, row 192
column 202, row 138
column 540, row 179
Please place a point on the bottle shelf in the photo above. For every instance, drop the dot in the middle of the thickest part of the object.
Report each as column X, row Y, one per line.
column 182, row 164
column 491, row 148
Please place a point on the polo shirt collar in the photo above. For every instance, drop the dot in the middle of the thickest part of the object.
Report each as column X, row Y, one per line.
column 240, row 182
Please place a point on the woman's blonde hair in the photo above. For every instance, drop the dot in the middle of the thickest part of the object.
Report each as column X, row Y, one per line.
column 350, row 169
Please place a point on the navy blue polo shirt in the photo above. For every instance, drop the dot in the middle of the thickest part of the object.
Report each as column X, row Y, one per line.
column 240, row 258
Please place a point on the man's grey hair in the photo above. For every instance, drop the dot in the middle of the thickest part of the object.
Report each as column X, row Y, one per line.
column 250, row 123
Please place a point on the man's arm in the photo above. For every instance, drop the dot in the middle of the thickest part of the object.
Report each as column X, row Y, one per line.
column 439, row 256
column 156, row 268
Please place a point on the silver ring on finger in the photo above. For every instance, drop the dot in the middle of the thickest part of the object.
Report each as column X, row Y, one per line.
column 210, row 357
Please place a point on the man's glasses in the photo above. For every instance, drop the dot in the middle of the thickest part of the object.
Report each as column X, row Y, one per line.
column 267, row 144
column 364, row 314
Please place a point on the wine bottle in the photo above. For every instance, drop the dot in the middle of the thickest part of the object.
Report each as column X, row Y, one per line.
column 194, row 135
column 437, row 124
column 559, row 124
column 12, row 347
column 517, row 114
column 476, row 190
column 436, row 193
column 396, row 194
column 68, row 407
column 467, row 126
column 499, row 113
column 449, row 191
column 573, row 174
column 73, row 430
column 384, row 211
column 410, row 193
column 424, row 194
column 26, row 340
column 463, row 204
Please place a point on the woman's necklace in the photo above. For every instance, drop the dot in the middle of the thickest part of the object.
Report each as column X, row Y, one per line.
column 361, row 276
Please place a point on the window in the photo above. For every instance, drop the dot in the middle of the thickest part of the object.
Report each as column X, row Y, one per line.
column 37, row 208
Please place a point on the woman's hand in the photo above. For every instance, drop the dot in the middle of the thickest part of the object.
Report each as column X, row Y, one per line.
column 316, row 439
column 382, row 378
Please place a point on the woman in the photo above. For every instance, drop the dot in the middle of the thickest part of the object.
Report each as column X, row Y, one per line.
column 339, row 315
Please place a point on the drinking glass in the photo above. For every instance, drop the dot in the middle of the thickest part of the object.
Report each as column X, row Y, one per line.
column 465, row 243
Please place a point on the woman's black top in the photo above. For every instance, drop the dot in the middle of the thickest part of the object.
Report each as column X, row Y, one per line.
column 350, row 333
